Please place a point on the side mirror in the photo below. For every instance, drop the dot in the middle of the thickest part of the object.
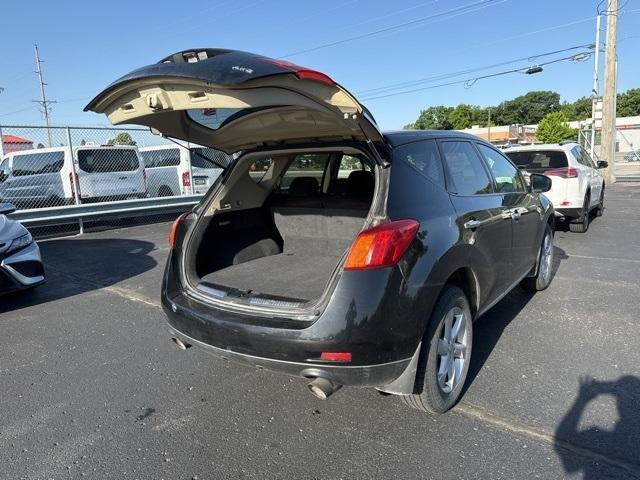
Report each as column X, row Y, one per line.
column 6, row 208
column 602, row 164
column 3, row 176
column 540, row 183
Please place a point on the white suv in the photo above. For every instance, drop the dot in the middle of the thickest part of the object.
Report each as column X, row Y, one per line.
column 577, row 185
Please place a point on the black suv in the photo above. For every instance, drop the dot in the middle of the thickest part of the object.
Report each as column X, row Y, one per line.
column 327, row 249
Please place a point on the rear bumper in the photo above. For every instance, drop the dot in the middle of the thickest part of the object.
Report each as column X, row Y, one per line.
column 362, row 375
column 21, row 270
column 362, row 317
column 568, row 213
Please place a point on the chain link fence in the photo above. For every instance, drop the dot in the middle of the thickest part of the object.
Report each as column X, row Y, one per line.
column 42, row 168
column 626, row 165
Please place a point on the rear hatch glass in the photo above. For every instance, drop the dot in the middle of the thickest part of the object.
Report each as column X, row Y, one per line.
column 108, row 160
column 538, row 160
column 203, row 157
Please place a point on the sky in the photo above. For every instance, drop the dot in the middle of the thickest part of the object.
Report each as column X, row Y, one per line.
column 87, row 45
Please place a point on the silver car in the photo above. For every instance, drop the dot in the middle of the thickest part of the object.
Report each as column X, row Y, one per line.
column 20, row 261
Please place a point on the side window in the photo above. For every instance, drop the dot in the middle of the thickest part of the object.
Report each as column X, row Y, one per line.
column 579, row 153
column 37, row 163
column 148, row 158
column 465, row 173
column 507, row 176
column 168, row 158
column 348, row 164
column 304, row 175
column 424, row 157
column 588, row 161
column 4, row 170
column 259, row 168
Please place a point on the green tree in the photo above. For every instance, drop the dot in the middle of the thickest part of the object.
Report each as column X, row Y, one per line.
column 528, row 108
column 578, row 110
column 628, row 104
column 40, row 145
column 462, row 116
column 553, row 128
column 123, row 138
column 436, row 118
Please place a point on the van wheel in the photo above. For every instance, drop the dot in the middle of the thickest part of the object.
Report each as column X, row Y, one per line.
column 582, row 225
column 446, row 351
column 545, row 264
column 165, row 192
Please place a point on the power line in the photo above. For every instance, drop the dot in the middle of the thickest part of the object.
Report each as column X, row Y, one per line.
column 469, row 82
column 411, row 83
column 481, row 4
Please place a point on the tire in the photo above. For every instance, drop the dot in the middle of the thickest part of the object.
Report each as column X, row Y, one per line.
column 545, row 264
column 600, row 209
column 582, row 224
column 439, row 393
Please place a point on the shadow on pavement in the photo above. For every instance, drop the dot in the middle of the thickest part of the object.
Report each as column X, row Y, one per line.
column 488, row 329
column 75, row 266
column 618, row 443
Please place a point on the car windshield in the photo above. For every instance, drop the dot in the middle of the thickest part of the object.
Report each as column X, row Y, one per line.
column 538, row 159
column 106, row 160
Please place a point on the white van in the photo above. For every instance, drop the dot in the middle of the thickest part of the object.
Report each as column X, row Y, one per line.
column 44, row 177
column 178, row 170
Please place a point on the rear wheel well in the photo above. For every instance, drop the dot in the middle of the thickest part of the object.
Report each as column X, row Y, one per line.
column 466, row 280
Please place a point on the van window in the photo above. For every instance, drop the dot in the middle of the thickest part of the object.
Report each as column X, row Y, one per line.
column 106, row 160
column 212, row 158
column 169, row 157
column 37, row 163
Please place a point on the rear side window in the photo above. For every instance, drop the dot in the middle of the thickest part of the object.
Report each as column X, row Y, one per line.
column 204, row 157
column 37, row 163
column 507, row 176
column 538, row 160
column 304, row 175
column 169, row 157
column 582, row 157
column 107, row 160
column 465, row 172
column 424, row 157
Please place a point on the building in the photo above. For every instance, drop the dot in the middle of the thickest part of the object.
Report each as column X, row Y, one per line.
column 13, row 143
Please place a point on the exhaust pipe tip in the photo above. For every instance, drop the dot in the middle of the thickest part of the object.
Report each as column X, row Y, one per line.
column 180, row 344
column 322, row 388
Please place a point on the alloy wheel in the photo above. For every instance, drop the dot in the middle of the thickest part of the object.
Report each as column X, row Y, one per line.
column 452, row 349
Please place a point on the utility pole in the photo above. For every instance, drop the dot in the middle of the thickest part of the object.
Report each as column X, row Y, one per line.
column 609, row 98
column 44, row 103
column 595, row 91
column 489, row 126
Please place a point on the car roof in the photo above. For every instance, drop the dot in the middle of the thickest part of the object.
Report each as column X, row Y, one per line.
column 400, row 137
column 564, row 147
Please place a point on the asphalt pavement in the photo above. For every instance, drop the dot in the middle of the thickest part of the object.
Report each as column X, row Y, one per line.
column 91, row 386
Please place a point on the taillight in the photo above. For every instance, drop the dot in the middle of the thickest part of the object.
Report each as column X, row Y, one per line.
column 174, row 228
column 73, row 179
column 186, row 179
column 301, row 72
column 564, row 172
column 381, row 246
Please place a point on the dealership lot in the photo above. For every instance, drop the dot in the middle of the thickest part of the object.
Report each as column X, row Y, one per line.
column 91, row 385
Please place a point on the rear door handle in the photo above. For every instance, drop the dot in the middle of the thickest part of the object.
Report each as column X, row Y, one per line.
column 472, row 224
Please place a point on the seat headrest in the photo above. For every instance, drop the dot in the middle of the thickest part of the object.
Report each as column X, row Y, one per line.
column 304, row 186
column 360, row 184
